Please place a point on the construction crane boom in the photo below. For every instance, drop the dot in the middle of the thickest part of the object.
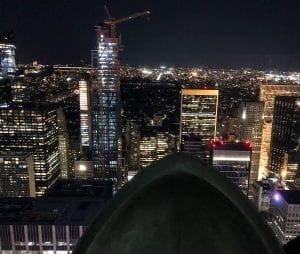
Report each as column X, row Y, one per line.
column 112, row 22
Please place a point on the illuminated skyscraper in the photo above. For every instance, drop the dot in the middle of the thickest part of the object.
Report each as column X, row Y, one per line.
column 7, row 55
column 251, row 130
column 199, row 116
column 106, row 108
column 85, row 114
column 28, row 129
column 267, row 95
column 285, row 139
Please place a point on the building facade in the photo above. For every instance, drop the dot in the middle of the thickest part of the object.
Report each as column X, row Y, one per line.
column 48, row 225
column 285, row 210
column 85, row 114
column 63, row 144
column 17, row 175
column 285, row 139
column 251, row 123
column 105, row 106
column 155, row 146
column 29, row 129
column 267, row 95
column 233, row 161
column 198, row 116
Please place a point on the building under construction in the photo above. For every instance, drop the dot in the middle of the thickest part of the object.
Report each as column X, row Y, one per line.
column 105, row 102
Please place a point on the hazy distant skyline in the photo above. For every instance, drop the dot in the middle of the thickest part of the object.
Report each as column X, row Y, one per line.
column 262, row 34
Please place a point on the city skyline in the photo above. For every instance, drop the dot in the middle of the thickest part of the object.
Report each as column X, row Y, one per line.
column 256, row 34
column 97, row 155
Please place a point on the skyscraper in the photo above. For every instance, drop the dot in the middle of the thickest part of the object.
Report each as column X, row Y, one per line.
column 63, row 144
column 106, row 107
column 251, row 122
column 199, row 116
column 85, row 114
column 267, row 95
column 32, row 129
column 7, row 55
column 285, row 139
column 233, row 160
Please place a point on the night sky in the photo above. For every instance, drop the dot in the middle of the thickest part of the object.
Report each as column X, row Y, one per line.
column 263, row 34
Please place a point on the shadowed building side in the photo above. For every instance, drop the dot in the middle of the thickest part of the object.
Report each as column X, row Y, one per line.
column 179, row 205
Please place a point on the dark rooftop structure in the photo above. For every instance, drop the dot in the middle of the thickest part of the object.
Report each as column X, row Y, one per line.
column 179, row 205
column 52, row 211
column 81, row 188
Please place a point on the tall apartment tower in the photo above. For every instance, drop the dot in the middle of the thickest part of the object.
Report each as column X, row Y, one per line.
column 251, row 114
column 198, row 117
column 105, row 107
column 285, row 139
column 29, row 129
column 85, row 115
column 267, row 95
column 63, row 144
column 7, row 55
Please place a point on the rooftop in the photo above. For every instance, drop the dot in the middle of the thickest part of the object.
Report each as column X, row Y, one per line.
column 81, row 188
column 78, row 211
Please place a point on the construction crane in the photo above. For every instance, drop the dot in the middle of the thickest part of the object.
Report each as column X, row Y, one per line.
column 112, row 22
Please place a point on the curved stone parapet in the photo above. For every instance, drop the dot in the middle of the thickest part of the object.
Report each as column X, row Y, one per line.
column 179, row 205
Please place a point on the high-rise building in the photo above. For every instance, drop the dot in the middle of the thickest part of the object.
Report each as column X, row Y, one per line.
column 285, row 210
column 105, row 107
column 233, row 160
column 285, row 139
column 7, row 55
column 32, row 129
column 199, row 116
column 63, row 144
column 85, row 114
column 251, row 114
column 17, row 175
column 267, row 95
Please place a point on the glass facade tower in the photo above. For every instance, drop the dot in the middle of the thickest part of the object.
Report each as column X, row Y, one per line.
column 106, row 108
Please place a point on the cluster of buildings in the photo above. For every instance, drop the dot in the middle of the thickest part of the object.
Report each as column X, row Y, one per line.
column 92, row 125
